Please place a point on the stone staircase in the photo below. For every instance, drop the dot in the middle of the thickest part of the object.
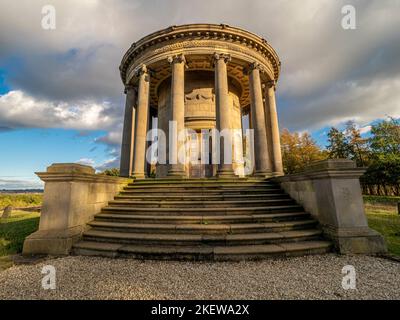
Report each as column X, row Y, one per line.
column 202, row 219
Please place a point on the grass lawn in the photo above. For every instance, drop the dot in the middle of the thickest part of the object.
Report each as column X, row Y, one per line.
column 381, row 200
column 21, row 200
column 13, row 232
column 383, row 218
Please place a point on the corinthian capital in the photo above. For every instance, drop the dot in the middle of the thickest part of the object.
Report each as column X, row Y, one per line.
column 254, row 66
column 218, row 56
column 270, row 84
column 129, row 88
column 178, row 58
column 142, row 70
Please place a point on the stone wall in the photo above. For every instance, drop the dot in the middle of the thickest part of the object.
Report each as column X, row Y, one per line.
column 73, row 194
column 200, row 112
column 330, row 191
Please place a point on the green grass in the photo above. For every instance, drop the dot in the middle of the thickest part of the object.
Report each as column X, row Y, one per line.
column 13, row 232
column 384, row 200
column 21, row 200
column 386, row 221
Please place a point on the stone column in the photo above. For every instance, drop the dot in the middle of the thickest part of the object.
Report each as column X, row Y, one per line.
column 222, row 109
column 271, row 120
column 128, row 135
column 141, row 124
column 178, row 64
column 261, row 156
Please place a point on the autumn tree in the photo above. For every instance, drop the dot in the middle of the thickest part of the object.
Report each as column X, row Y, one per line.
column 298, row 151
column 338, row 147
column 358, row 148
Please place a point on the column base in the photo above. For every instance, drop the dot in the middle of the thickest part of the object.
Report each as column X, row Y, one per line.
column 263, row 174
column 139, row 176
column 176, row 171
column 177, row 175
column 277, row 174
column 226, row 171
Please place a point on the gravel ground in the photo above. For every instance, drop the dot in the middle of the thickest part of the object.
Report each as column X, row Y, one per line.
column 311, row 277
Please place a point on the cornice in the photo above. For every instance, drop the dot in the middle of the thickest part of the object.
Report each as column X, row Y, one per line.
column 222, row 33
column 81, row 177
column 355, row 173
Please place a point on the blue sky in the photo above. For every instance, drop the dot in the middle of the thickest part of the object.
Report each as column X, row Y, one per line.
column 61, row 97
column 29, row 150
column 3, row 87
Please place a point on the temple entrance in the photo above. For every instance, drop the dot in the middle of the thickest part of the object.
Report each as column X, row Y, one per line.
column 200, row 146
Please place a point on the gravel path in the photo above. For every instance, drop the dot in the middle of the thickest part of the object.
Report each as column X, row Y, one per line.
column 311, row 277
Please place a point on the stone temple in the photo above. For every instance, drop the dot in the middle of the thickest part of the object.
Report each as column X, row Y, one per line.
column 202, row 77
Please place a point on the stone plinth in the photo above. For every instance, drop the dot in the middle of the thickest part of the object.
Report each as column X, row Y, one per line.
column 330, row 190
column 73, row 194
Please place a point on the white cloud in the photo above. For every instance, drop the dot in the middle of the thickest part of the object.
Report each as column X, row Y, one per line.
column 86, row 161
column 109, row 163
column 13, row 184
column 18, row 109
column 113, row 137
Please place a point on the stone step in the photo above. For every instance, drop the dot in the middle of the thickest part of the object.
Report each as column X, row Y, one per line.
column 202, row 253
column 201, row 182
column 184, row 186
column 204, row 197
column 204, row 219
column 199, row 228
column 201, row 203
column 201, row 211
column 199, row 239
column 153, row 181
column 174, row 192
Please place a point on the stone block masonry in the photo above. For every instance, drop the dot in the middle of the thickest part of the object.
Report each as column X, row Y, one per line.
column 330, row 190
column 73, row 194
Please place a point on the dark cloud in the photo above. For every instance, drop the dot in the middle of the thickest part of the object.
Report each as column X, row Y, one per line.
column 112, row 163
column 329, row 74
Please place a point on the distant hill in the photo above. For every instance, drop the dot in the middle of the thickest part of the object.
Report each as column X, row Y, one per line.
column 22, row 191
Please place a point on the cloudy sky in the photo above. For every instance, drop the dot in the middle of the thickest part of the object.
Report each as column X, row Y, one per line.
column 61, row 98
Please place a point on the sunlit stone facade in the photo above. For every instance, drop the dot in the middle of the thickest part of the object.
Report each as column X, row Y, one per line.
column 203, row 77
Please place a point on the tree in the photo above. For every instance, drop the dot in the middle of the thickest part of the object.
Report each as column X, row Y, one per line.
column 386, row 137
column 338, row 147
column 114, row 172
column 358, row 146
column 298, row 151
column 383, row 174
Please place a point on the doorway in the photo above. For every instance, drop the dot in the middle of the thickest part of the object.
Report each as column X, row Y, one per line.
column 200, row 156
